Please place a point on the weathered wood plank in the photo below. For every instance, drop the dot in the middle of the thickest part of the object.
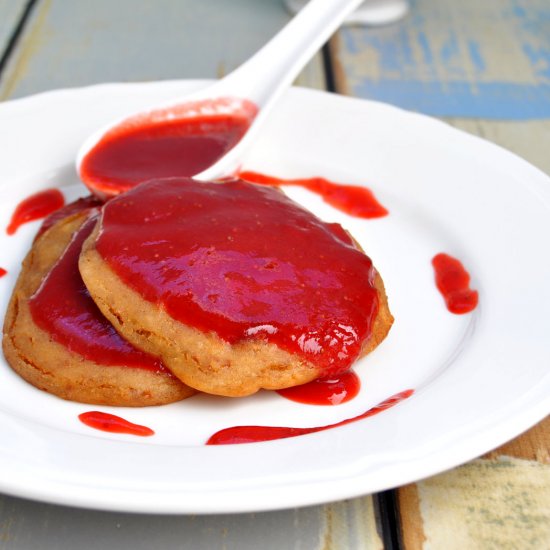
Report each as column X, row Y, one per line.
column 411, row 526
column 530, row 139
column 532, row 445
column 486, row 504
column 350, row 525
column 500, row 501
column 35, row 526
column 486, row 59
column 91, row 41
column 10, row 13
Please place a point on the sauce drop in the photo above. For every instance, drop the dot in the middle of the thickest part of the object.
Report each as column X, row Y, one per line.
column 35, row 207
column 453, row 281
column 3, row 272
column 182, row 141
column 351, row 199
column 246, row 262
column 63, row 307
column 114, row 424
column 325, row 391
column 253, row 434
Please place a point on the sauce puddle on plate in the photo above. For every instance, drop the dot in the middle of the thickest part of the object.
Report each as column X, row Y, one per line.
column 351, row 199
column 35, row 207
column 453, row 282
column 325, row 391
column 254, row 434
column 113, row 424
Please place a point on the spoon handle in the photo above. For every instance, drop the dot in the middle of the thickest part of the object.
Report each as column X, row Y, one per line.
column 266, row 75
column 273, row 68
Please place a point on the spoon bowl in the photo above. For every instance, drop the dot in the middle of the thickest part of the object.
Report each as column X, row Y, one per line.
column 246, row 95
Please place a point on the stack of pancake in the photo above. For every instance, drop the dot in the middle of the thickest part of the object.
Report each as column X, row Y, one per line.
column 178, row 286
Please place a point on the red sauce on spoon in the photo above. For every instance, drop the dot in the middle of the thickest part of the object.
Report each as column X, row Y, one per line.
column 325, row 391
column 35, row 207
column 181, row 141
column 453, row 281
column 254, row 434
column 351, row 199
column 113, row 424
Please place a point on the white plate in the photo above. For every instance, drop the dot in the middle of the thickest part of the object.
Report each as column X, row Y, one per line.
column 480, row 379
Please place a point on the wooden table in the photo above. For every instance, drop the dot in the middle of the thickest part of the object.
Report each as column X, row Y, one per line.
column 483, row 66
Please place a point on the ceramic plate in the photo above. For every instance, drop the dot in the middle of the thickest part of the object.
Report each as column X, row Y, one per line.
column 479, row 379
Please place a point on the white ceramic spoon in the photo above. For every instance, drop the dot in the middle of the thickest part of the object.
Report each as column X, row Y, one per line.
column 371, row 12
column 261, row 79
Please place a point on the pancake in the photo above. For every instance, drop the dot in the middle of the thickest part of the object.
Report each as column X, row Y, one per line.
column 233, row 285
column 56, row 338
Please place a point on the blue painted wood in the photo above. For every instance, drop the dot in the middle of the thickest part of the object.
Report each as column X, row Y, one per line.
column 487, row 59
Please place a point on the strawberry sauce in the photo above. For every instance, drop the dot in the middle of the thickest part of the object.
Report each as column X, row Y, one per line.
column 113, row 424
column 351, row 199
column 35, row 207
column 63, row 307
column 254, row 434
column 74, row 207
column 182, row 141
column 453, row 281
column 246, row 262
column 325, row 391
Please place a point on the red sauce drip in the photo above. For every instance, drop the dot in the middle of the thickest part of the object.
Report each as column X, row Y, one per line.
column 453, row 281
column 74, row 207
column 182, row 141
column 3, row 272
column 35, row 207
column 246, row 262
column 352, row 199
column 253, row 434
column 325, row 391
column 114, row 424
column 62, row 306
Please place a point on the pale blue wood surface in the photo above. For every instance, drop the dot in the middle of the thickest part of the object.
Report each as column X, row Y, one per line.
column 10, row 12
column 26, row 525
column 33, row 526
column 76, row 43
